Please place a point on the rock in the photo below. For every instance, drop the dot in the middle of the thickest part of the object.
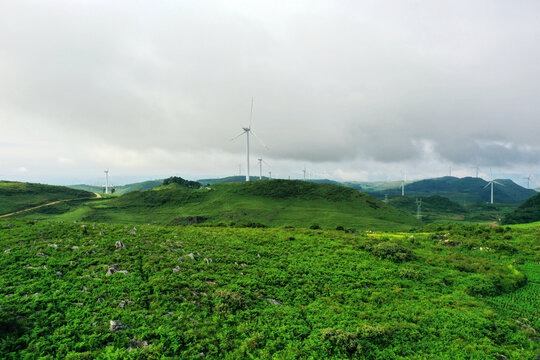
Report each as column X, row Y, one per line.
column 102, row 233
column 7, row 251
column 259, row 256
column 53, row 245
column 137, row 344
column 124, row 303
column 83, row 226
column 116, row 325
column 274, row 301
column 111, row 269
column 75, row 247
column 59, row 273
column 100, row 300
column 94, row 324
column 40, row 254
column 176, row 269
column 191, row 256
column 120, row 245
column 208, row 260
column 133, row 232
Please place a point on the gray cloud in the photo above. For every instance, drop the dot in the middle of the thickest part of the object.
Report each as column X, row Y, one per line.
column 334, row 83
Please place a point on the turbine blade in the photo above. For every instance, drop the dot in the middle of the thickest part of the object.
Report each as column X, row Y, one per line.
column 251, row 114
column 266, row 163
column 498, row 183
column 237, row 136
column 489, row 183
column 258, row 139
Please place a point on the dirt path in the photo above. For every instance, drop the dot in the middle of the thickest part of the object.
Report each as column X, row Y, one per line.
column 98, row 196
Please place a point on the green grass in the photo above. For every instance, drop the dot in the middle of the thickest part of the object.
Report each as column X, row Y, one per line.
column 16, row 196
column 262, row 293
column 271, row 202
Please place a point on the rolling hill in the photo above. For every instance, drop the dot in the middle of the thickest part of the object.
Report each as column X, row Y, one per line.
column 15, row 196
column 462, row 189
column 121, row 189
column 527, row 212
column 270, row 203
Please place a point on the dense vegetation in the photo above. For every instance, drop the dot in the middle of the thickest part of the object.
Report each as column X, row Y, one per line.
column 182, row 182
column 269, row 202
column 528, row 212
column 16, row 196
column 85, row 291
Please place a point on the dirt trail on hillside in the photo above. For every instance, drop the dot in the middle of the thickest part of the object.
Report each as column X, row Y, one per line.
column 98, row 196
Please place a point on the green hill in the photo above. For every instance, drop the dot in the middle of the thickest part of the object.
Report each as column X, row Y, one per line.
column 270, row 202
column 467, row 189
column 527, row 212
column 101, row 291
column 121, row 189
column 15, row 196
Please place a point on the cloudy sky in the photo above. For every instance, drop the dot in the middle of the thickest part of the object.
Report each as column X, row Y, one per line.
column 352, row 90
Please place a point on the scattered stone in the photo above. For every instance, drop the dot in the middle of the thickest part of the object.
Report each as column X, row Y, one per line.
column 116, row 325
column 182, row 260
column 259, row 256
column 111, row 269
column 83, row 226
column 59, row 273
column 53, row 245
column 243, row 264
column 75, row 247
column 137, row 344
column 120, row 245
column 123, row 272
column 133, row 232
column 94, row 324
column 100, row 300
column 102, row 233
column 84, row 289
column 528, row 328
column 169, row 314
column 208, row 260
column 7, row 251
column 274, row 301
column 124, row 303
column 176, row 269
column 191, row 256
column 40, row 254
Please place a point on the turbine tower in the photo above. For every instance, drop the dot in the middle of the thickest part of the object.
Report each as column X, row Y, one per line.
column 261, row 161
column 492, row 182
column 528, row 178
column 304, row 173
column 247, row 131
column 404, row 173
column 418, row 208
column 107, row 181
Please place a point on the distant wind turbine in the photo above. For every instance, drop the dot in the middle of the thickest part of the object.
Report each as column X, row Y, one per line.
column 261, row 161
column 247, row 131
column 304, row 173
column 492, row 182
column 528, row 178
column 106, row 181
column 404, row 174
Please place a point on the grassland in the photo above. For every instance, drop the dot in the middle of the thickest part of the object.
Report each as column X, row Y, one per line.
column 269, row 203
column 15, row 196
column 229, row 293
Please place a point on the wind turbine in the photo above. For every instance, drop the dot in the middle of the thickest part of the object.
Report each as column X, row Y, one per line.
column 528, row 178
column 304, row 173
column 477, row 168
column 247, row 131
column 404, row 173
column 106, row 181
column 260, row 167
column 491, row 182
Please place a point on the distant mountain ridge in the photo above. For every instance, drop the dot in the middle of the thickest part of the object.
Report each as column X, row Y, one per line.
column 121, row 189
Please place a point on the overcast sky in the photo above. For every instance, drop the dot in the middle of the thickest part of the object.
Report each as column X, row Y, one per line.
column 353, row 90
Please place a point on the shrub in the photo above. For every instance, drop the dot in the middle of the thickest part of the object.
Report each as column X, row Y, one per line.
column 394, row 252
column 315, row 227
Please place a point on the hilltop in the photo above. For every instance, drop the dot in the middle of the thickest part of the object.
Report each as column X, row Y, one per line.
column 527, row 212
column 268, row 203
column 15, row 196
column 467, row 189
column 121, row 189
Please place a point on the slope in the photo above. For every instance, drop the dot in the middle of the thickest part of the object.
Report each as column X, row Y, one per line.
column 270, row 202
column 121, row 189
column 527, row 212
column 100, row 291
column 463, row 189
column 15, row 196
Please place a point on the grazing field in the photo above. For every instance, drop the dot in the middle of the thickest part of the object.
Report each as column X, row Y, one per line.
column 93, row 290
column 263, row 203
column 15, row 196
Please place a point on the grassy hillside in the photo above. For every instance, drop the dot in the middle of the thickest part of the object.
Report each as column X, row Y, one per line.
column 528, row 212
column 16, row 196
column 467, row 189
column 71, row 291
column 271, row 202
column 122, row 189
